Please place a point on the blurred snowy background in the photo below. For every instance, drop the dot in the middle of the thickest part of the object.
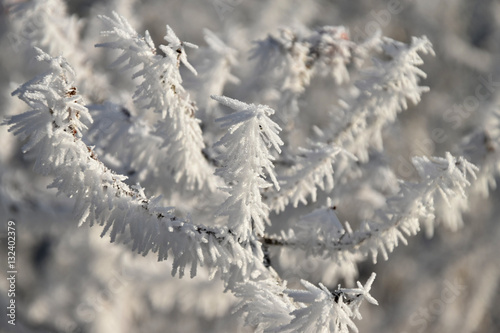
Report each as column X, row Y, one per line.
column 70, row 280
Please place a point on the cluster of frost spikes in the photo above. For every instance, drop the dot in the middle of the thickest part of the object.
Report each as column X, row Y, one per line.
column 46, row 24
column 325, row 311
column 166, row 137
column 413, row 206
column 382, row 92
column 313, row 310
column 238, row 251
column 53, row 133
column 161, row 90
column 245, row 160
column 296, row 59
column 313, row 169
column 483, row 146
column 53, row 130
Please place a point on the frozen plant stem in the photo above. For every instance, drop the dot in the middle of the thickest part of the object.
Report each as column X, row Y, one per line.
column 440, row 177
column 161, row 91
column 53, row 131
column 231, row 241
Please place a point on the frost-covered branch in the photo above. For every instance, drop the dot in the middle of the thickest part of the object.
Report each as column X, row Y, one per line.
column 296, row 59
column 313, row 170
column 53, row 131
column 161, row 90
column 325, row 311
column 482, row 146
column 245, row 162
column 46, row 24
column 53, row 128
column 133, row 143
column 412, row 207
column 382, row 95
column 270, row 307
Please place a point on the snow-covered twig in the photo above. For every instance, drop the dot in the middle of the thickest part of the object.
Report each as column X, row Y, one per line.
column 414, row 205
column 161, row 90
